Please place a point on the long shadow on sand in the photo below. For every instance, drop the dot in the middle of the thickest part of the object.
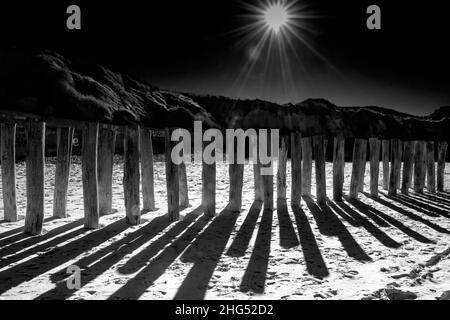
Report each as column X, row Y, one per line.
column 413, row 204
column 17, row 234
column 51, row 259
column 242, row 239
column 254, row 278
column 435, row 197
column 444, row 194
column 288, row 236
column 410, row 215
column 205, row 253
column 330, row 225
column 315, row 263
column 103, row 259
column 429, row 203
column 20, row 250
column 156, row 267
column 14, row 232
column 357, row 220
column 364, row 209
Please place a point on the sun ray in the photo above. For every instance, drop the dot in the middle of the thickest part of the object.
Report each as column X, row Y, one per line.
column 274, row 32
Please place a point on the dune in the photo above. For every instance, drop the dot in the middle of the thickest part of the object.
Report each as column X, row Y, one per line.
column 44, row 84
column 47, row 85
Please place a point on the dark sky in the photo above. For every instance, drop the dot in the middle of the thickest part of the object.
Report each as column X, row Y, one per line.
column 186, row 45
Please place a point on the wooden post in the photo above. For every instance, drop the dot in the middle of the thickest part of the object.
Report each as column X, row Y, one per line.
column 148, row 186
column 431, row 168
column 267, row 179
column 408, row 161
column 385, row 158
column 306, row 166
column 296, row 168
column 184, row 195
column 375, row 145
column 131, row 175
column 62, row 171
column 441, row 165
column 172, row 180
column 259, row 192
column 359, row 159
column 282, row 163
column 8, row 158
column 338, row 168
column 90, row 175
column 106, row 148
column 363, row 168
column 411, row 171
column 325, row 148
column 395, row 166
column 35, row 178
column 321, row 187
column 209, row 186
column 268, row 189
column 236, row 172
column 419, row 166
column 399, row 172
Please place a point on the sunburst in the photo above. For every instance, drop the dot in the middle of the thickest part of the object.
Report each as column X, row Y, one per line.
column 272, row 30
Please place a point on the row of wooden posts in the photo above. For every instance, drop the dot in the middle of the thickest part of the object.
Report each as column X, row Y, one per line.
column 97, row 168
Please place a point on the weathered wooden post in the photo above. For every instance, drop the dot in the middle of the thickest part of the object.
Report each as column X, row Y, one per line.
column 8, row 158
column 35, row 178
column 325, row 148
column 148, row 184
column 408, row 161
column 363, row 169
column 268, row 187
column 90, row 175
column 106, row 148
column 131, row 175
column 441, row 165
column 259, row 192
column 411, row 172
column 385, row 158
column 172, row 180
column 296, row 168
column 306, row 166
column 395, row 166
column 399, row 173
column 267, row 178
column 375, row 145
column 321, row 186
column 419, row 166
column 431, row 168
column 359, row 159
column 184, row 194
column 236, row 172
column 338, row 167
column 282, row 163
column 63, row 154
column 209, row 186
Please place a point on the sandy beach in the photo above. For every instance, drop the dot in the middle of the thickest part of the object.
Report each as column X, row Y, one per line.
column 368, row 249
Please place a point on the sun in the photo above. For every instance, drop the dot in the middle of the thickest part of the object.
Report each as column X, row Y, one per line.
column 276, row 16
column 275, row 36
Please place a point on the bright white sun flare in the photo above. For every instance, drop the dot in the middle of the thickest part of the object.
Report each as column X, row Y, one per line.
column 275, row 35
column 276, row 17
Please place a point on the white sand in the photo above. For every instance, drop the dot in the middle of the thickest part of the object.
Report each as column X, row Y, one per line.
column 346, row 252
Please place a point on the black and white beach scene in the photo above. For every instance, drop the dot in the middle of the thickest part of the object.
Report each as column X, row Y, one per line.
column 224, row 150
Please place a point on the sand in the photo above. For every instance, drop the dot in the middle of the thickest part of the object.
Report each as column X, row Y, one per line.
column 371, row 249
